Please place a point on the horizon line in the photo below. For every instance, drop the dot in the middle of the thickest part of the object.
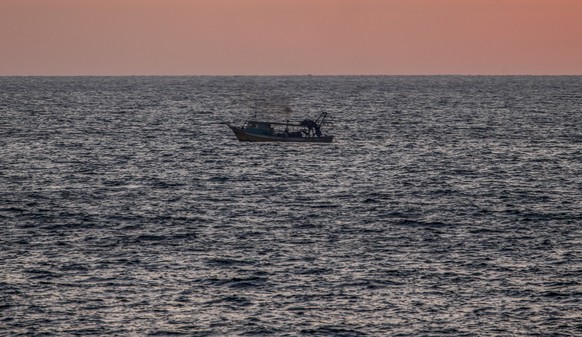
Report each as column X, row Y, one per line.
column 297, row 75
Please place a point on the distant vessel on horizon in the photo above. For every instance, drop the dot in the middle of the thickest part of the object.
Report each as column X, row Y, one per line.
column 307, row 131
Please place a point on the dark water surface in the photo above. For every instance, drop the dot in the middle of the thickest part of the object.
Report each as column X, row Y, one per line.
column 446, row 206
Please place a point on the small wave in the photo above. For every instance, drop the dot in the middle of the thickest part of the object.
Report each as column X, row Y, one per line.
column 240, row 301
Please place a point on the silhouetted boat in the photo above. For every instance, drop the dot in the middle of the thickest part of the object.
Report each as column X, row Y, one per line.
column 307, row 131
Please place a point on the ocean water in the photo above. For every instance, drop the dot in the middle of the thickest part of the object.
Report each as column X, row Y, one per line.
column 445, row 206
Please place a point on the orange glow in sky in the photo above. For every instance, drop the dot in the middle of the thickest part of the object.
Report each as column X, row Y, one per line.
column 277, row 37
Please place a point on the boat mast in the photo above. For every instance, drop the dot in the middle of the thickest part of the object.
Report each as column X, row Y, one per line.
column 321, row 118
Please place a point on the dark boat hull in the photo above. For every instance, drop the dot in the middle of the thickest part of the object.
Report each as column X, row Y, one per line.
column 244, row 136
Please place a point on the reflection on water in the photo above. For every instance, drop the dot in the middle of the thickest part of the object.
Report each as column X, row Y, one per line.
column 445, row 206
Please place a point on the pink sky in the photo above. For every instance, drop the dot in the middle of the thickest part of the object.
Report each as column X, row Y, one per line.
column 277, row 37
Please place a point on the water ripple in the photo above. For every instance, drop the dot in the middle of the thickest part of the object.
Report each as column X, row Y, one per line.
column 447, row 206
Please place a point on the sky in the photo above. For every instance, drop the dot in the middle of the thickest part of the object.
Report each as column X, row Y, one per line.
column 290, row 37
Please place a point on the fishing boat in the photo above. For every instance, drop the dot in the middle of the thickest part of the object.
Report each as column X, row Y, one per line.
column 307, row 131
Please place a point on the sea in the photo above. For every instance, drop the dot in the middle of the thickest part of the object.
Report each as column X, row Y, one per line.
column 445, row 206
